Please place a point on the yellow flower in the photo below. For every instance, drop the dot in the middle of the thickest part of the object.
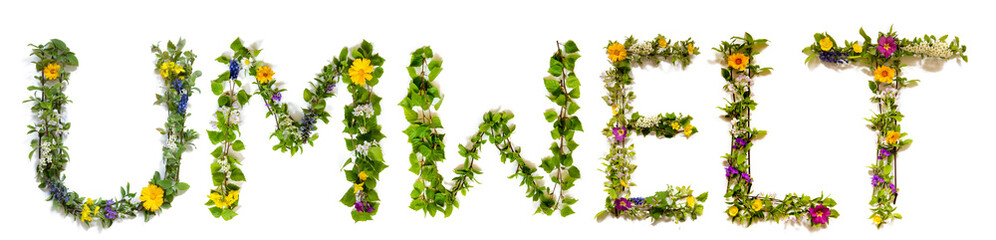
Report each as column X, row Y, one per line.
column 363, row 176
column 675, row 126
column 732, row 211
column 738, row 61
column 357, row 187
column 877, row 219
column 691, row 48
column 884, row 74
column 624, row 183
column 688, row 130
column 152, row 197
column 85, row 214
column 662, row 42
column 857, row 48
column 264, row 74
column 617, row 52
column 232, row 197
column 51, row 71
column 757, row 205
column 615, row 109
column 690, row 201
column 892, row 137
column 826, row 44
column 218, row 200
column 360, row 71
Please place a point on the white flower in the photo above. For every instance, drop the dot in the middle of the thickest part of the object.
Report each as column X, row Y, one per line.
column 647, row 122
column 364, row 110
column 364, row 147
column 930, row 49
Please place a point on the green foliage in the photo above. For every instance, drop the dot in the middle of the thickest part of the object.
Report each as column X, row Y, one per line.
column 674, row 203
column 363, row 130
column 225, row 172
column 48, row 103
column 886, row 121
column 745, row 208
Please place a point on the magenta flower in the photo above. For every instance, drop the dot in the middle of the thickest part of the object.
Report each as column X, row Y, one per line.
column 819, row 214
column 730, row 171
column 623, row 204
column 887, row 45
column 893, row 187
column 619, row 133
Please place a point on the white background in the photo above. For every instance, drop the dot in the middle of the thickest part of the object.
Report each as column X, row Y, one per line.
column 495, row 55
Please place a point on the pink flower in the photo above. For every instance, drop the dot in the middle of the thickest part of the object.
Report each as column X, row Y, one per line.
column 887, row 45
column 619, row 133
column 819, row 214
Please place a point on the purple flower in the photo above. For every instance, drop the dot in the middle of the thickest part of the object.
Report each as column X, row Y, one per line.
column 876, row 180
column 363, row 207
column 623, row 204
column 739, row 143
column 638, row 200
column 893, row 187
column 887, row 45
column 746, row 177
column 330, row 88
column 884, row 153
column 276, row 97
column 730, row 171
column 109, row 212
column 619, row 133
column 819, row 214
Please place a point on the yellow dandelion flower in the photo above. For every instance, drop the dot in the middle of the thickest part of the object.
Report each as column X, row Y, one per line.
column 688, row 130
column 51, row 71
column 757, row 205
column 264, row 74
column 732, row 211
column 826, row 44
column 857, row 48
column 360, row 71
column 152, row 197
column 617, row 52
column 892, row 137
column 690, row 201
column 738, row 61
column 884, row 74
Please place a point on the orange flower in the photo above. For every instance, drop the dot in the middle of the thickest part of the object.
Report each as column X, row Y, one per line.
column 264, row 74
column 51, row 71
column 738, row 61
column 617, row 52
column 884, row 74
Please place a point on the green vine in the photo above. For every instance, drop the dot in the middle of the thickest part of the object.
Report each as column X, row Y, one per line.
column 746, row 208
column 677, row 203
column 363, row 69
column 49, row 103
column 883, row 59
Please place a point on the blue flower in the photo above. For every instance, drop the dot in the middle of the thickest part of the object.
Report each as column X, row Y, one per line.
column 638, row 200
column 833, row 56
column 233, row 69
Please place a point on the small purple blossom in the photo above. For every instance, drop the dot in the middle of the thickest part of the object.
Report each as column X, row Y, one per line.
column 893, row 187
column 276, row 97
column 877, row 180
column 619, row 133
column 623, row 204
column 884, row 153
column 638, row 200
column 109, row 212
column 746, row 177
column 363, row 207
column 731, row 171
column 330, row 88
column 739, row 143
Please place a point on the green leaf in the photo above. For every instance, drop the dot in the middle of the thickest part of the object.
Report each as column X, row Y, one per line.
column 556, row 68
column 573, row 82
column 550, row 115
column 217, row 88
column 182, row 186
column 228, row 214
column 215, row 211
column 570, row 47
column 551, row 83
column 238, row 145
